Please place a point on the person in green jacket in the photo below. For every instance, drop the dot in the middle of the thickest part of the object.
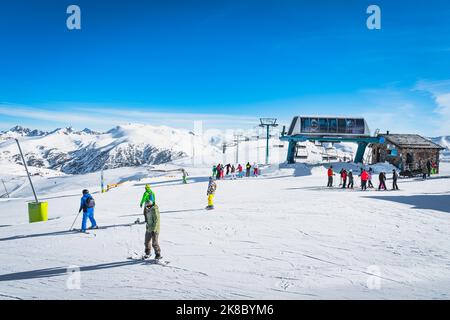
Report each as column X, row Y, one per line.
column 148, row 196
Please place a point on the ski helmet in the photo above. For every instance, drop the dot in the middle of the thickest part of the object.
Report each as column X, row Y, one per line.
column 85, row 191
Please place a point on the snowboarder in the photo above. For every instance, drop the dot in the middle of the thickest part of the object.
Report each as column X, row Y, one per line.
column 350, row 180
column 364, row 179
column 247, row 167
column 87, row 205
column 185, row 174
column 148, row 196
column 394, row 180
column 152, row 220
column 210, row 193
column 382, row 180
column 330, row 177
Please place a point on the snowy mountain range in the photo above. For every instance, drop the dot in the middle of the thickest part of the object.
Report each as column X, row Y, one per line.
column 77, row 152
column 444, row 141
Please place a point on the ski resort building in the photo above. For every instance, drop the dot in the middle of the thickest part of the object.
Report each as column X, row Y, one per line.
column 328, row 130
column 408, row 152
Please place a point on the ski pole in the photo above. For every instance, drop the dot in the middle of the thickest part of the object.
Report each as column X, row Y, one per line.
column 74, row 221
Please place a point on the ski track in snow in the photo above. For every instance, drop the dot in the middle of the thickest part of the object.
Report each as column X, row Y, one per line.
column 279, row 236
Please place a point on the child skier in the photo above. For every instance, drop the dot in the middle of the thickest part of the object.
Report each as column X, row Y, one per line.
column 87, row 205
column 255, row 169
column 210, row 193
column 148, row 196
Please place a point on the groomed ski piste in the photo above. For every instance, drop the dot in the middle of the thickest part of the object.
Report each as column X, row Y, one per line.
column 282, row 235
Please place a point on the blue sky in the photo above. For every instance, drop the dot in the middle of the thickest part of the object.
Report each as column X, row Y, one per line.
column 224, row 62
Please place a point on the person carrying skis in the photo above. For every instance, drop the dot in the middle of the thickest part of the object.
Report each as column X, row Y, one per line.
column 152, row 229
column 350, row 179
column 210, row 193
column 382, row 179
column 330, row 174
column 364, row 179
column 247, row 167
column 394, row 179
column 344, row 178
column 87, row 205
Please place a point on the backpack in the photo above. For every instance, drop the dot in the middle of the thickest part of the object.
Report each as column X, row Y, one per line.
column 90, row 202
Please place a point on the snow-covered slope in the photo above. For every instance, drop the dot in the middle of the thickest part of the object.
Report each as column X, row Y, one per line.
column 283, row 236
column 444, row 141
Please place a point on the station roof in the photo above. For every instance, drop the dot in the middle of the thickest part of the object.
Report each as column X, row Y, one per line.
column 411, row 141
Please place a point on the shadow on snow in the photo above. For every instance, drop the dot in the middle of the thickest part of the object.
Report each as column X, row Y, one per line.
column 438, row 202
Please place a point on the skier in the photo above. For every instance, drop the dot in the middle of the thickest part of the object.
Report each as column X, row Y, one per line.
column 214, row 171
column 370, row 184
column 255, row 169
column 364, row 179
column 350, row 179
column 394, row 180
column 233, row 172
column 247, row 167
column 87, row 205
column 429, row 168
column 152, row 219
column 147, row 197
column 240, row 171
column 210, row 193
column 330, row 177
column 344, row 178
column 382, row 179
column 424, row 173
column 219, row 167
column 340, row 177
column 228, row 167
column 185, row 174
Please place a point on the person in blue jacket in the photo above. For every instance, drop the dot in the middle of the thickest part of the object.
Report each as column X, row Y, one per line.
column 87, row 205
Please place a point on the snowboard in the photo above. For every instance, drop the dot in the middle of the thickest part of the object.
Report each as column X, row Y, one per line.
column 135, row 256
column 209, row 207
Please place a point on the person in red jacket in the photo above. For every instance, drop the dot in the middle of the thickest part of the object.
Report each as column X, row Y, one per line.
column 344, row 178
column 330, row 174
column 364, row 179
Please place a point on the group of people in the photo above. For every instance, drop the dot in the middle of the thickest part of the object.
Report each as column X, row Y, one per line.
column 348, row 179
column 220, row 171
column 428, row 169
